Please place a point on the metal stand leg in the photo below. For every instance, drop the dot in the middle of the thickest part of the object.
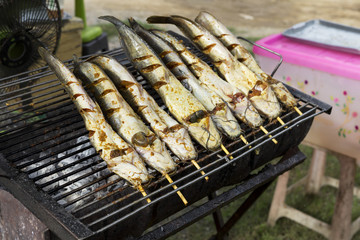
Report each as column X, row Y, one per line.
column 251, row 199
column 293, row 157
column 217, row 216
column 223, row 231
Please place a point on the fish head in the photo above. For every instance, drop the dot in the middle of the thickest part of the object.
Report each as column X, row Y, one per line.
column 252, row 116
column 264, row 100
column 283, row 94
column 245, row 111
column 179, row 142
column 225, row 121
column 204, row 131
column 131, row 172
column 157, row 156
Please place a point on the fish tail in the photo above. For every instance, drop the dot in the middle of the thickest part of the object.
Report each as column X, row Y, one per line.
column 76, row 61
column 133, row 24
column 113, row 20
column 43, row 53
column 159, row 19
column 77, row 71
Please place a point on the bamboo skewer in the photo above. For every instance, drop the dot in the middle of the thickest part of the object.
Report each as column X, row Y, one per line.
column 226, row 151
column 175, row 187
column 298, row 111
column 198, row 167
column 266, row 132
column 141, row 189
column 280, row 121
column 244, row 140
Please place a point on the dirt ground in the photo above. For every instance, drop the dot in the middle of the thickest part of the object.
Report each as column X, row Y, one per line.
column 255, row 18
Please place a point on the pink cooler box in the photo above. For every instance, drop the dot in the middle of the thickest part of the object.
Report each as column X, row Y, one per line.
column 326, row 74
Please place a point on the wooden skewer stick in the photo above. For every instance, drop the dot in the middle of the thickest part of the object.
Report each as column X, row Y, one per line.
column 298, row 111
column 244, row 140
column 226, row 151
column 281, row 121
column 198, row 167
column 141, row 189
column 266, row 132
column 175, row 187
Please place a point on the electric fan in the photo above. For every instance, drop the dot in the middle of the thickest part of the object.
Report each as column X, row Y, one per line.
column 24, row 26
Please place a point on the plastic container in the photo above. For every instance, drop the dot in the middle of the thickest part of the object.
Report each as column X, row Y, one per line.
column 329, row 75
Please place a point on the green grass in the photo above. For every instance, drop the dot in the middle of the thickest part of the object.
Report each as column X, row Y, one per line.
column 253, row 224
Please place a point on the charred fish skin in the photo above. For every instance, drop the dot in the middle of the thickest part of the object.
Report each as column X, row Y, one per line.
column 232, row 70
column 180, row 102
column 208, row 44
column 168, row 129
column 215, row 27
column 123, row 119
column 237, row 101
column 220, row 113
column 282, row 93
column 121, row 158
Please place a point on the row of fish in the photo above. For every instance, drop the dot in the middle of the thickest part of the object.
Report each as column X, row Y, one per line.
column 195, row 95
column 231, row 42
column 120, row 157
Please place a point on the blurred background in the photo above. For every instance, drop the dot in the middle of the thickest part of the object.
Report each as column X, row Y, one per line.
column 248, row 18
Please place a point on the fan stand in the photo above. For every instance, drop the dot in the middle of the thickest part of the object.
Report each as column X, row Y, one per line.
column 93, row 38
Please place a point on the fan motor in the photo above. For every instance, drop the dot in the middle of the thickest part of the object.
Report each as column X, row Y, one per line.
column 16, row 51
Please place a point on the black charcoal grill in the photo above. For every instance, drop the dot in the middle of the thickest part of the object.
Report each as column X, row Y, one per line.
column 49, row 165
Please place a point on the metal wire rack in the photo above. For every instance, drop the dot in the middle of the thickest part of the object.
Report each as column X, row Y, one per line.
column 48, row 163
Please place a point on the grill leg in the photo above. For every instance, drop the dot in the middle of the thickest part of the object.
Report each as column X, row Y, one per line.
column 241, row 210
column 217, row 216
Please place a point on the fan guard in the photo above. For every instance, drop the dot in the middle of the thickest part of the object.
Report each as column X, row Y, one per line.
column 24, row 26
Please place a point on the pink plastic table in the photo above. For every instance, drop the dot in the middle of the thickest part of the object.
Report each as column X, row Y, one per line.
column 332, row 77
column 329, row 75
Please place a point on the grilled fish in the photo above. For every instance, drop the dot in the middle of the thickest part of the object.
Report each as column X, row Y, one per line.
column 120, row 157
column 123, row 118
column 216, row 28
column 282, row 93
column 237, row 101
column 220, row 113
column 181, row 103
column 169, row 130
column 236, row 73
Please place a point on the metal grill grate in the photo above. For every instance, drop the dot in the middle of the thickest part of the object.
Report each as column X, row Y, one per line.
column 46, row 152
